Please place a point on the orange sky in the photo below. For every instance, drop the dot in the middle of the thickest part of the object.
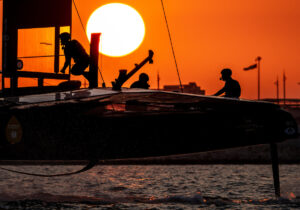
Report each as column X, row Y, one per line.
column 211, row 35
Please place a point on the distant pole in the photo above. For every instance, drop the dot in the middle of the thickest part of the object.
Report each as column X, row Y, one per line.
column 277, row 89
column 94, row 54
column 158, row 80
column 258, row 59
column 284, row 89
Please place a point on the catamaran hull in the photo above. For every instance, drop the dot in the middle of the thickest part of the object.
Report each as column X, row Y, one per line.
column 80, row 131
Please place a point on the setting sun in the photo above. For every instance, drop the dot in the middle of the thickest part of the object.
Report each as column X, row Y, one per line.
column 122, row 29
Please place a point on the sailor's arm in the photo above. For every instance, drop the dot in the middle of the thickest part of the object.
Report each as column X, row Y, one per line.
column 220, row 92
column 67, row 63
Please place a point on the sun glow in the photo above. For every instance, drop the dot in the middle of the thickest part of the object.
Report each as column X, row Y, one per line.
column 122, row 29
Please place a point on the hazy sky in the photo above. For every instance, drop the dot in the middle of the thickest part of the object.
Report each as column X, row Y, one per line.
column 211, row 35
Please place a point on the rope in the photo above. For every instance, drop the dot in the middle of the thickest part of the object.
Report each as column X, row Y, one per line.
column 89, row 166
column 79, row 16
column 170, row 38
column 85, row 33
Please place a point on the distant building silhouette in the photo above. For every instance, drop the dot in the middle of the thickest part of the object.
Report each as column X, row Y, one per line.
column 189, row 88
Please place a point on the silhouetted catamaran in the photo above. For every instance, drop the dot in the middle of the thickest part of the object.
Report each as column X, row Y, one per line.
column 68, row 123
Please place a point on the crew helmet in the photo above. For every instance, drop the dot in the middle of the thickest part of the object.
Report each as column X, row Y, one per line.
column 144, row 77
column 226, row 72
column 65, row 36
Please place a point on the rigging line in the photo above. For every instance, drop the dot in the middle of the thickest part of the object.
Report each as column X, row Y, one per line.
column 89, row 166
column 85, row 33
column 79, row 16
column 170, row 38
column 101, row 63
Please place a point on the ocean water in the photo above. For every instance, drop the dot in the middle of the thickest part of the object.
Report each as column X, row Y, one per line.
column 151, row 187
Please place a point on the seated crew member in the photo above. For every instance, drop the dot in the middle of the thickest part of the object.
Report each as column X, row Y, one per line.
column 142, row 82
column 73, row 49
column 232, row 87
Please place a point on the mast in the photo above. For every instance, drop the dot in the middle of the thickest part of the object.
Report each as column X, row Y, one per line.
column 94, row 54
column 4, row 49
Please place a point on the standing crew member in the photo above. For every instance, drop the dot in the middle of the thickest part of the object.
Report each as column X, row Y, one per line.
column 232, row 87
column 73, row 49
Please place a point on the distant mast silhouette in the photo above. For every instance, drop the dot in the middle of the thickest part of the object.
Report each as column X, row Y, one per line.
column 258, row 59
column 284, row 87
column 158, row 80
column 277, row 89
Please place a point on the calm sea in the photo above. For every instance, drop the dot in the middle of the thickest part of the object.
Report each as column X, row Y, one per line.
column 151, row 187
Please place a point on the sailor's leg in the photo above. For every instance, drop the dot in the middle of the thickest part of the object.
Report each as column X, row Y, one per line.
column 86, row 74
column 275, row 168
column 78, row 68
